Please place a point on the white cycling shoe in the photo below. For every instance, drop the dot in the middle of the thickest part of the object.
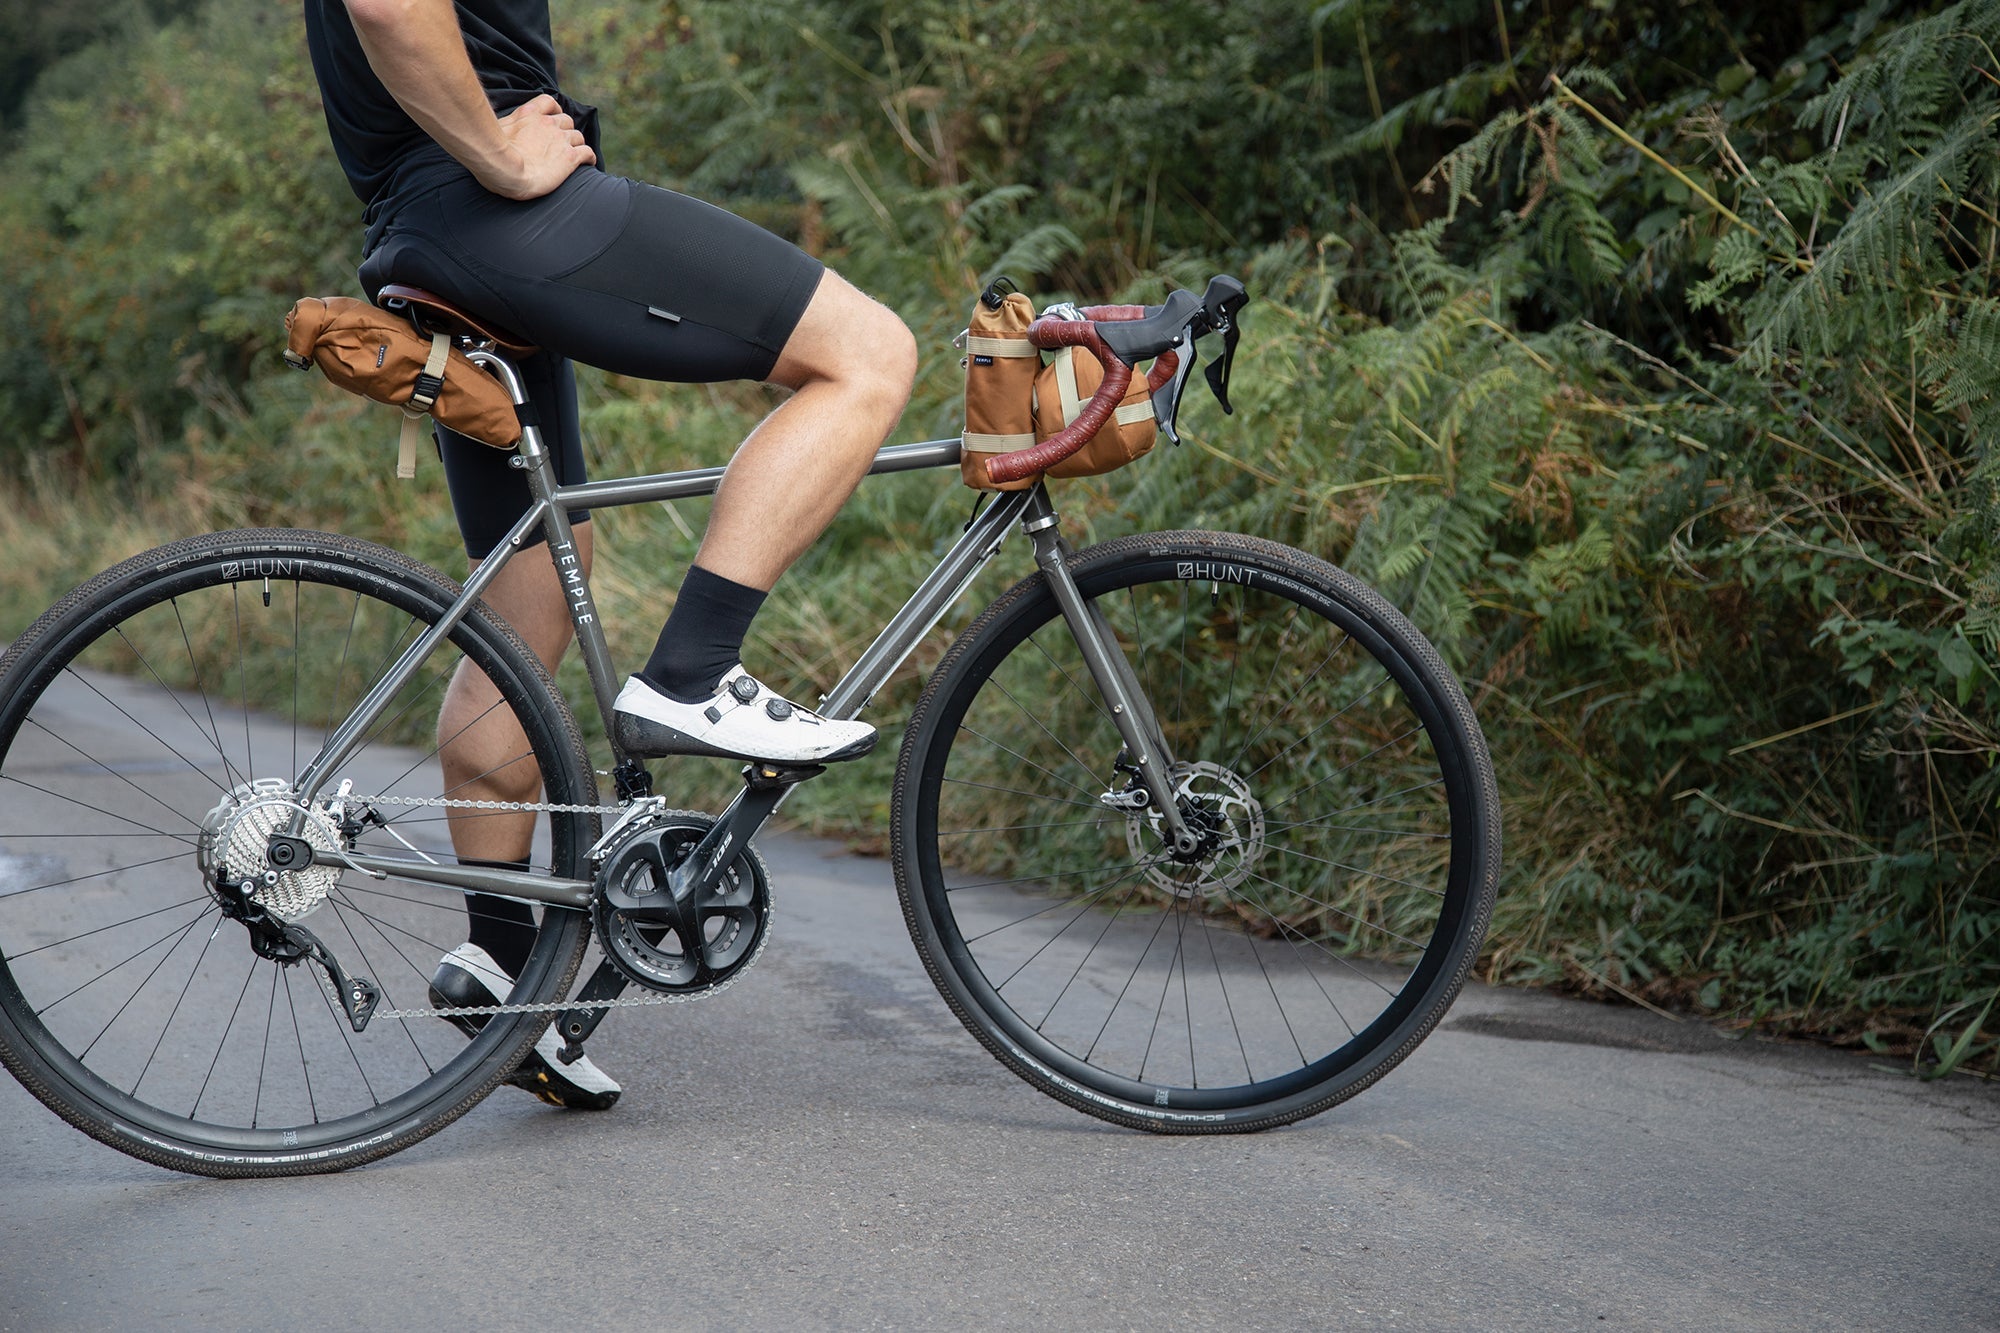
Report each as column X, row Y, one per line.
column 467, row 977
column 743, row 719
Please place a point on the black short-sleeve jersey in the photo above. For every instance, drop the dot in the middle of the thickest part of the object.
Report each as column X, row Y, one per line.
column 385, row 154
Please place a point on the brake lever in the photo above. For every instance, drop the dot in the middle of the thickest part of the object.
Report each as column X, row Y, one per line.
column 1167, row 398
column 1218, row 369
column 1222, row 305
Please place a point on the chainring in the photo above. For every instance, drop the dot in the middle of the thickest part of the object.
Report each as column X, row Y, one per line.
column 695, row 947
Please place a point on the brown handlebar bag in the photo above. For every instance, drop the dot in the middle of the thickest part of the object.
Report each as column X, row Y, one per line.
column 1061, row 390
column 1000, row 370
column 380, row 356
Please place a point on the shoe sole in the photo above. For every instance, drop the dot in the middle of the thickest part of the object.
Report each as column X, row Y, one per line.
column 534, row 1074
column 646, row 739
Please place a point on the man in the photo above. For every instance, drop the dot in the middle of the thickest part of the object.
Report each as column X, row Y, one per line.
column 482, row 184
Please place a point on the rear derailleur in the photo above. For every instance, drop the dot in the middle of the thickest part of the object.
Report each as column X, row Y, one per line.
column 289, row 943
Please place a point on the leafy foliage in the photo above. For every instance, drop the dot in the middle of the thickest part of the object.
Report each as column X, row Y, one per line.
column 1645, row 353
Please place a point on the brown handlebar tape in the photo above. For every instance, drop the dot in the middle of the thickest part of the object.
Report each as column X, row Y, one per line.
column 1048, row 334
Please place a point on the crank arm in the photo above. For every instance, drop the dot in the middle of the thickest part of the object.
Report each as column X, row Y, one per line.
column 576, row 1025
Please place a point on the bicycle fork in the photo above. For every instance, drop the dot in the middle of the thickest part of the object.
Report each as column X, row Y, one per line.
column 1146, row 756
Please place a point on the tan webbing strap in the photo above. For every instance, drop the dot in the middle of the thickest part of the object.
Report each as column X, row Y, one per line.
column 421, row 402
column 406, row 447
column 979, row 345
column 978, row 443
column 1072, row 401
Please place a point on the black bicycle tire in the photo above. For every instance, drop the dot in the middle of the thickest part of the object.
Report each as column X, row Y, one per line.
column 979, row 651
column 48, row 1070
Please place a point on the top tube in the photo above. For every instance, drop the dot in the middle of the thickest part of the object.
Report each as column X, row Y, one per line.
column 656, row 486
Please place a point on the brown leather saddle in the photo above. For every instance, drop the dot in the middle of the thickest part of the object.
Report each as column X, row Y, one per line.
column 432, row 314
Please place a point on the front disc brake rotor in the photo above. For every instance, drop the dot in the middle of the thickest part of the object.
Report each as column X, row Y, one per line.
column 1217, row 805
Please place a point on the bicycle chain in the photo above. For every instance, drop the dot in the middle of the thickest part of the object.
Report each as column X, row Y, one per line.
column 546, row 1007
column 456, row 803
column 550, row 1007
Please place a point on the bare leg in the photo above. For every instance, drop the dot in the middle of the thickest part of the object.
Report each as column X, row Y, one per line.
column 485, row 755
column 851, row 362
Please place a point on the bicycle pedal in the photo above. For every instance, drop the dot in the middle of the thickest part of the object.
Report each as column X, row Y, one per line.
column 768, row 777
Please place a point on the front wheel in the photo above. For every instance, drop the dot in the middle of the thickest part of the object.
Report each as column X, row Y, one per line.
column 1349, row 853
column 150, row 728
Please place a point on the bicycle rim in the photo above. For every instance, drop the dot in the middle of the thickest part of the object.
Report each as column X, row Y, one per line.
column 168, row 703
column 1348, row 870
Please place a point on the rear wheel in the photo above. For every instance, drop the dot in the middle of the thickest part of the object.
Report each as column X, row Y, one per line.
column 150, row 727
column 1350, row 838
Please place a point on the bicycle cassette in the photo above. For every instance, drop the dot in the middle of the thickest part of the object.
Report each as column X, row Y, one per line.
column 689, row 946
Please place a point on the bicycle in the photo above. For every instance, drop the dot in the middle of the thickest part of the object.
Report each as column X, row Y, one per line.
column 1193, row 831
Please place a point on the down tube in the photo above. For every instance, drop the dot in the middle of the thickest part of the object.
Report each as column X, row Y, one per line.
column 944, row 586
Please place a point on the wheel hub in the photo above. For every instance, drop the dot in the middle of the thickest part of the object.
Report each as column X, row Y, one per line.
column 1228, row 823
column 235, row 847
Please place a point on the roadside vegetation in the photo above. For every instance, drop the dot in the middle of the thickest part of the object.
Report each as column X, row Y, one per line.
column 1645, row 354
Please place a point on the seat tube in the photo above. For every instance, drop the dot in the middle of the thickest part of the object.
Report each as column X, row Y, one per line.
column 533, row 459
column 1131, row 712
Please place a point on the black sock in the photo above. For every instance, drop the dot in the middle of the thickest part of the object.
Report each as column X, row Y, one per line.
column 501, row 926
column 703, row 636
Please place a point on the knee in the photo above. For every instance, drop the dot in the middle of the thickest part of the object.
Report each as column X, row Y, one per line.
column 855, row 342
column 895, row 350
column 880, row 361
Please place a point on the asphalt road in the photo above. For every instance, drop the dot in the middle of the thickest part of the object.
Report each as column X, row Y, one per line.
column 822, row 1146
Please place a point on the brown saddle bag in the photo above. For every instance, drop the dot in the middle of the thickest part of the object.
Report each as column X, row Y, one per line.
column 381, row 357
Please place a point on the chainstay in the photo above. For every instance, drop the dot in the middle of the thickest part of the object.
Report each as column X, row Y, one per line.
column 545, row 1007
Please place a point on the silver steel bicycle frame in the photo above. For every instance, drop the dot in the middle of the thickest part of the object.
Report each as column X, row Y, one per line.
column 940, row 589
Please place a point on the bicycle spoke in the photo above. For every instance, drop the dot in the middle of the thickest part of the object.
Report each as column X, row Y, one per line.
column 175, row 1011
column 223, row 1040
column 143, row 983
column 201, row 689
column 99, row 930
column 1006, row 750
column 113, row 773
column 299, row 1040
column 123, row 712
column 133, row 957
column 1083, row 906
column 98, row 874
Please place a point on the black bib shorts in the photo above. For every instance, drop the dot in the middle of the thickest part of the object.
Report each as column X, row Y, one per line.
column 610, row 272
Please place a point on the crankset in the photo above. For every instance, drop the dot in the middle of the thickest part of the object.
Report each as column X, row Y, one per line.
column 683, row 939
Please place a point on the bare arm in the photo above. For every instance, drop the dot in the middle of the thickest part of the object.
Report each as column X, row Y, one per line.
column 416, row 49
